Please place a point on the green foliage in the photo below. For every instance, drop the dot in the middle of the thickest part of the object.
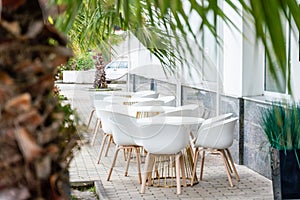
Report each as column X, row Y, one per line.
column 84, row 62
column 71, row 118
column 281, row 124
column 81, row 62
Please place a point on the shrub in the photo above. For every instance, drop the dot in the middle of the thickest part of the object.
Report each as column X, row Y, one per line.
column 281, row 124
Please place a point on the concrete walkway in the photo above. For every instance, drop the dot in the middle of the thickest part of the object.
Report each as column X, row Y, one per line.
column 213, row 186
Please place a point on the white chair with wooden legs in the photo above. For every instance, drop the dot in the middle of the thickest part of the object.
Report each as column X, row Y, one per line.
column 216, row 137
column 164, row 140
column 95, row 96
column 107, row 132
column 101, row 104
column 124, row 130
column 98, row 104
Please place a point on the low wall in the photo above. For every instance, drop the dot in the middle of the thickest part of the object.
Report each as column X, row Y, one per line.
column 70, row 76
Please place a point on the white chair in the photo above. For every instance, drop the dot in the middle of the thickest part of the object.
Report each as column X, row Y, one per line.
column 94, row 96
column 189, row 110
column 103, row 105
column 153, row 102
column 168, row 100
column 145, row 94
column 98, row 104
column 107, row 132
column 116, row 99
column 164, row 140
column 124, row 136
column 209, row 121
column 216, row 137
column 215, row 119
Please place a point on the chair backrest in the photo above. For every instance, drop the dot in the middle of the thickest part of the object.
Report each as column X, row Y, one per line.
column 145, row 94
column 120, row 108
column 124, row 129
column 153, row 102
column 97, row 96
column 142, row 93
column 168, row 100
column 189, row 110
column 154, row 96
column 122, row 94
column 164, row 138
column 210, row 121
column 218, row 135
column 115, row 99
column 104, row 116
column 101, row 104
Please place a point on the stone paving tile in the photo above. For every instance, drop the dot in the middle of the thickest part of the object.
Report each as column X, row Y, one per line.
column 213, row 186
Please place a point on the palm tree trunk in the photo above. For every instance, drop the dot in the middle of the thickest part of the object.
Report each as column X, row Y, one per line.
column 100, row 77
column 34, row 147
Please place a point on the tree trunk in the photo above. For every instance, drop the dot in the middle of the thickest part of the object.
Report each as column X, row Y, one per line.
column 34, row 144
column 100, row 77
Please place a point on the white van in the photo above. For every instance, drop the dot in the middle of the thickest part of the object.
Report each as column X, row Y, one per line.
column 116, row 70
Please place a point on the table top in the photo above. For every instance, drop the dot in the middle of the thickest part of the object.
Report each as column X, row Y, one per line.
column 176, row 120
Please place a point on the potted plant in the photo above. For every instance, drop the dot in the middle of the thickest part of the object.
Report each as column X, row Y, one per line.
column 281, row 124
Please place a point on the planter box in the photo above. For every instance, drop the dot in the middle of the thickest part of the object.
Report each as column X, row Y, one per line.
column 70, row 76
column 285, row 174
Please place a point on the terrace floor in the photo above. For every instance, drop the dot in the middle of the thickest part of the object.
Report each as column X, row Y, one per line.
column 214, row 185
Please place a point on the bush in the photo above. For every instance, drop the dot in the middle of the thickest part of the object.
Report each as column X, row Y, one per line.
column 84, row 62
column 81, row 62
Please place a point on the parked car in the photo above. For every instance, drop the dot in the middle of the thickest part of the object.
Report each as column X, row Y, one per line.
column 116, row 70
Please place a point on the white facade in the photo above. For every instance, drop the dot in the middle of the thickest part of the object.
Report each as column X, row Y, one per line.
column 238, row 65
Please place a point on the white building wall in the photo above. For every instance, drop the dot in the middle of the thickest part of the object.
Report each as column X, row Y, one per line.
column 295, row 63
column 141, row 61
column 253, row 61
column 232, row 53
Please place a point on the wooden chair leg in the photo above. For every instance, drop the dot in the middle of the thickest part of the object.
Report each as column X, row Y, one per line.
column 90, row 119
column 227, row 170
column 232, row 164
column 125, row 152
column 183, row 171
column 113, row 163
column 110, row 140
column 196, row 156
column 128, row 161
column 202, row 165
column 102, row 147
column 227, row 161
column 97, row 125
column 149, row 162
column 138, row 157
column 177, row 167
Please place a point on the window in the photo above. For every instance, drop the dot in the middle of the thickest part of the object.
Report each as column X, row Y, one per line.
column 112, row 65
column 123, row 64
column 281, row 85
